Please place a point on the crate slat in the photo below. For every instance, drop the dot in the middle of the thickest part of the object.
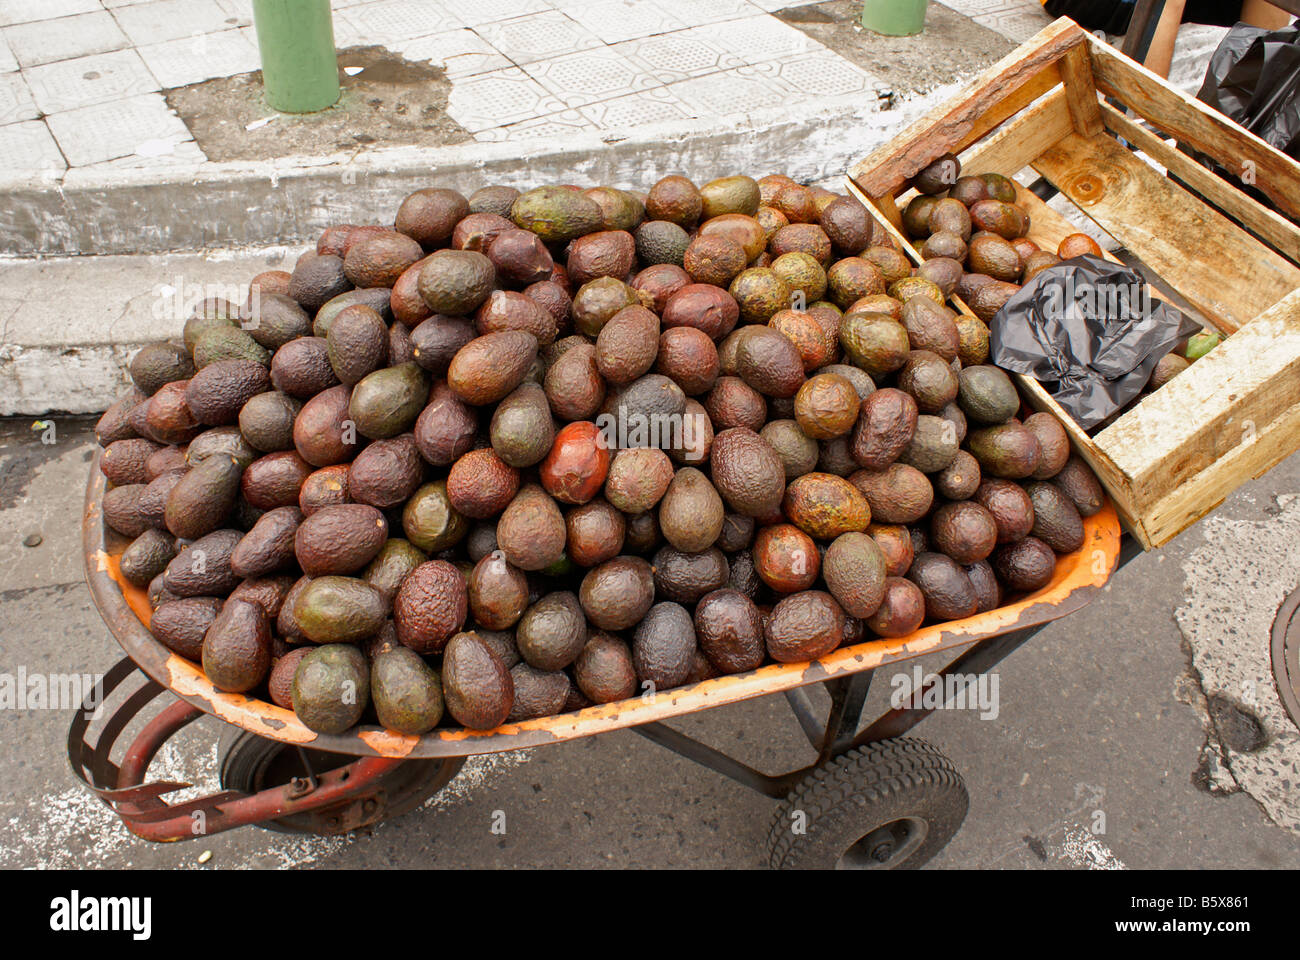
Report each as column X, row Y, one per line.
column 1196, row 124
column 1164, row 226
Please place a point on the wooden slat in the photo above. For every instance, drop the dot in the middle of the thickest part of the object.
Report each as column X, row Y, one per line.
column 1164, row 226
column 1081, row 91
column 1192, row 500
column 1236, row 390
column 1196, row 124
column 1276, row 230
column 1017, row 143
column 1001, row 91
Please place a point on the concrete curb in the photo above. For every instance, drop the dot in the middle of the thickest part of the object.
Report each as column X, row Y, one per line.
column 167, row 207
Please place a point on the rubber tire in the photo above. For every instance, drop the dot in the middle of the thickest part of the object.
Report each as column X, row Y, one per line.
column 862, row 790
column 242, row 756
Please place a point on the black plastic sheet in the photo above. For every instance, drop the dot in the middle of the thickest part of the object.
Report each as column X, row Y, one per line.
column 1254, row 78
column 1089, row 332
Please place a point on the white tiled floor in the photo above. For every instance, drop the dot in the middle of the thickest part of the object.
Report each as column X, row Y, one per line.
column 89, row 72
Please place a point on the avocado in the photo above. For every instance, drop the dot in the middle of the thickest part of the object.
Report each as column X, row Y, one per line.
column 228, row 343
column 273, row 319
column 1053, row 444
column 334, row 609
column 477, row 687
column 987, row 395
column 875, row 342
column 269, row 546
column 217, row 393
column 619, row 210
column 964, row 530
column 124, row 461
column 556, row 214
column 552, row 632
column 386, row 473
column 1027, row 564
column 729, row 195
column 804, row 626
column 266, row 421
column 379, row 300
column 826, row 406
column 617, row 593
column 947, row 590
column 317, row 279
column 428, row 216
column 901, row 611
column 487, row 368
column 769, row 362
column 268, row 593
column 498, row 592
column 685, row 577
column 638, row 479
column 158, row 364
column 897, row 494
column 661, row 241
column 323, row 432
column 960, row 479
column 446, row 428
column 604, row 253
column 301, row 368
column 938, row 176
column 392, row 565
column 604, row 671
column 929, row 379
column 1007, row 450
column 406, row 691
column 885, row 426
column 357, row 343
column 237, row 647
column 760, row 293
column 854, row 571
column 747, row 472
column 627, row 345
column 274, row 480
column 675, row 199
column 331, row 688
column 339, row 539
column 1009, row 505
column 538, row 693
column 1056, row 519
column 147, row 556
column 430, row 606
column 996, row 216
column 825, row 506
column 279, row 684
column 786, row 558
column 1077, row 481
column 430, row 521
column 387, row 401
column 798, row 451
column 934, row 445
column 595, row 533
column 531, row 531
column 200, row 502
column 522, row 430
column 574, row 385
column 648, row 412
column 662, row 647
column 729, row 630
column 167, row 418
column 179, row 624
column 690, row 513
column 495, row 199
column 598, row 300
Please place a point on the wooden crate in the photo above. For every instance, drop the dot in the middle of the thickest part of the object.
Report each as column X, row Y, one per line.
column 1174, row 456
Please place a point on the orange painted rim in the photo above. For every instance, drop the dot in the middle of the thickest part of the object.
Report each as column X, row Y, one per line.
column 125, row 609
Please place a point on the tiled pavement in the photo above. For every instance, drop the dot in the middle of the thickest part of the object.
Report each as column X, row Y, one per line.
column 1017, row 20
column 81, row 80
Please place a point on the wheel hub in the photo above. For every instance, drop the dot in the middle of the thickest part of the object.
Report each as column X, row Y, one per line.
column 886, row 845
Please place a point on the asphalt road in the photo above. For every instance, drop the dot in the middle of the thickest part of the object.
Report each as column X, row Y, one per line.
column 1097, row 758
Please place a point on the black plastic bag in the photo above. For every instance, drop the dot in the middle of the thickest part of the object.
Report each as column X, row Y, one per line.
column 1089, row 332
column 1254, row 79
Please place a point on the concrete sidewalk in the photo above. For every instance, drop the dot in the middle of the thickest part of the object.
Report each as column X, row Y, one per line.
column 92, row 83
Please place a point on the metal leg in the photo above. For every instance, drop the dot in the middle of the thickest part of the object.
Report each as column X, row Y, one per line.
column 718, row 761
column 802, row 707
column 848, row 697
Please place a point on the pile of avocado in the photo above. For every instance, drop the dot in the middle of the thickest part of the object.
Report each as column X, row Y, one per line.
column 525, row 452
column 973, row 237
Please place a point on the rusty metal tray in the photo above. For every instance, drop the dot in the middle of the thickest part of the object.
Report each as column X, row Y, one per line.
column 1079, row 577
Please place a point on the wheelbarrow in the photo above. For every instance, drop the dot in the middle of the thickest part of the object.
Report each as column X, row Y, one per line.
column 869, row 797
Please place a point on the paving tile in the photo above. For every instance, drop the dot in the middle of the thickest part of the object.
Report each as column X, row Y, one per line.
column 178, row 63
column 69, row 84
column 106, row 131
column 162, row 20
column 590, row 76
column 16, row 99
column 7, row 61
column 695, row 12
column 498, row 98
column 771, row 6
column 555, row 125
column 731, row 91
column 462, row 53
column 821, row 73
column 473, row 13
column 657, row 105
column 28, row 147
column 757, row 38
column 670, row 57
column 616, row 20
column 25, row 11
column 538, row 36
column 64, row 38
column 1015, row 25
column 390, row 22
column 186, row 153
column 242, row 10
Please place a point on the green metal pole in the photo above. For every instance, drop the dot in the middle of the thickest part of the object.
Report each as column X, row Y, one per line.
column 894, row 18
column 300, row 70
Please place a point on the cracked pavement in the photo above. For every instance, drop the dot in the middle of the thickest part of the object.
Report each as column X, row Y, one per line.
column 1103, row 754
